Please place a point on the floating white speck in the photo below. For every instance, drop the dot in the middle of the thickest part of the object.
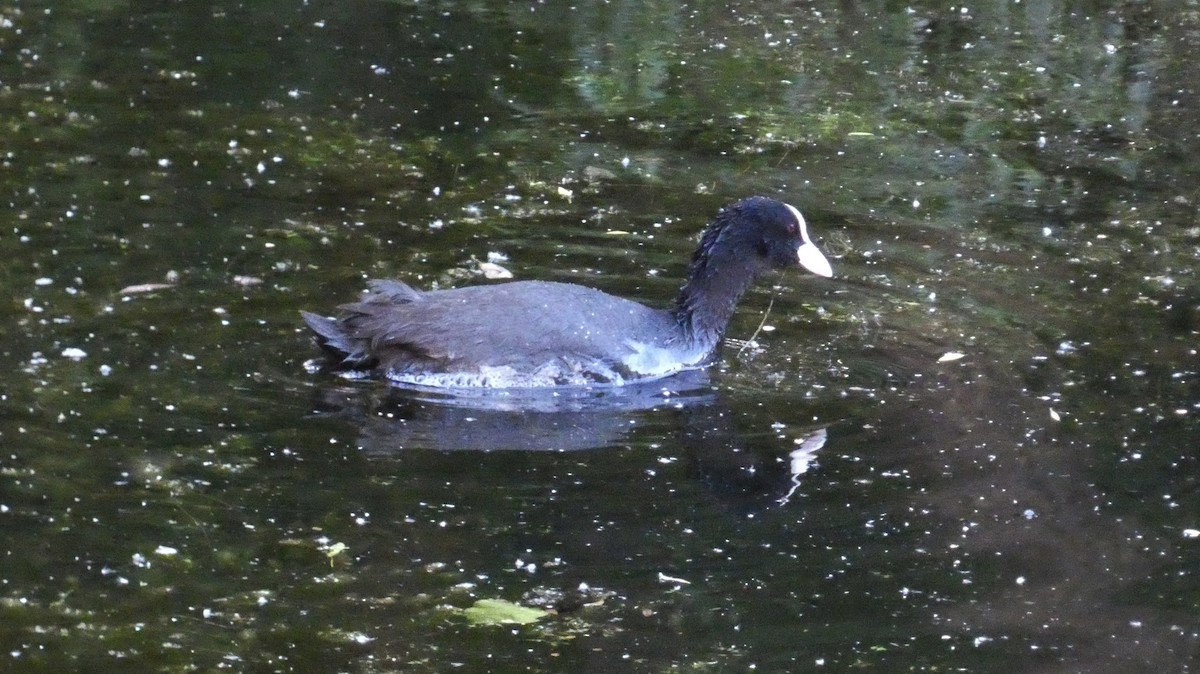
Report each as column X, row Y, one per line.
column 950, row 356
column 1191, row 533
column 664, row 578
column 74, row 353
column 1054, row 415
column 105, row 370
column 166, row 551
column 43, row 281
column 1020, row 580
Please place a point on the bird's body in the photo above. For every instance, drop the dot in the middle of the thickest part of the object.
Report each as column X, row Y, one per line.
column 540, row 334
column 428, row 337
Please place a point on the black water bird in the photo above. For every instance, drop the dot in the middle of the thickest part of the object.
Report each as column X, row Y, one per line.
column 540, row 334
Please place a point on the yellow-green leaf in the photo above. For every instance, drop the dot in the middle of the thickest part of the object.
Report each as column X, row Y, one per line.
column 500, row 612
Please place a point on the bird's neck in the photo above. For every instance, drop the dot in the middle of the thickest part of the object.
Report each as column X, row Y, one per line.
column 707, row 300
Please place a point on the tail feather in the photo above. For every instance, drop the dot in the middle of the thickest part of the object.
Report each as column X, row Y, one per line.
column 332, row 338
column 352, row 342
column 327, row 329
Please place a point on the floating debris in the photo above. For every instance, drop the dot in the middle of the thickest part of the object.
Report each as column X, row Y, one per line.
column 664, row 578
column 500, row 612
column 951, row 356
column 491, row 270
column 596, row 174
column 144, row 288
column 333, row 551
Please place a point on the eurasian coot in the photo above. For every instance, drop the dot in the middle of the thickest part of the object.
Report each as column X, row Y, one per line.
column 539, row 333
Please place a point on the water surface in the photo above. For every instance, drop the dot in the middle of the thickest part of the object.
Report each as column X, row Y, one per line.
column 1004, row 366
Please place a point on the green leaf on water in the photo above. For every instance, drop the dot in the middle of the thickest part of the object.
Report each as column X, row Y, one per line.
column 500, row 612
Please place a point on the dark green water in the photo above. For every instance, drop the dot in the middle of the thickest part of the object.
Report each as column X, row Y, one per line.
column 1015, row 183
